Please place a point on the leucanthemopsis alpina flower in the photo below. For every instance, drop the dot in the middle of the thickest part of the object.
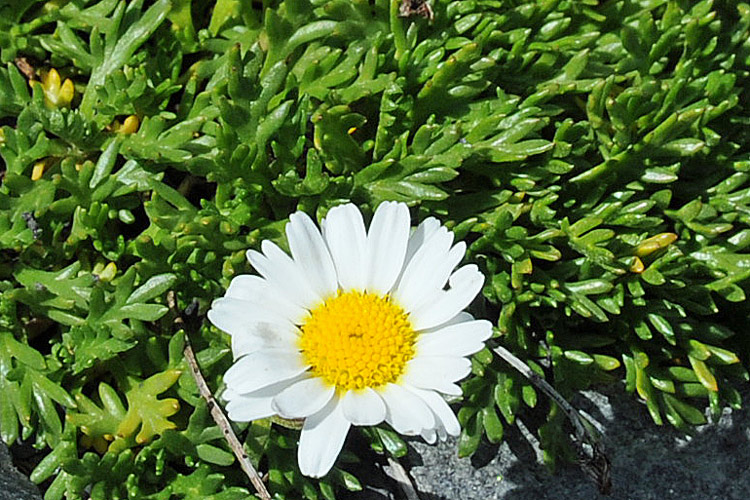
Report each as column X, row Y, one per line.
column 356, row 327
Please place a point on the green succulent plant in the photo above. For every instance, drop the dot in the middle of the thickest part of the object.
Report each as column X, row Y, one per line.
column 594, row 155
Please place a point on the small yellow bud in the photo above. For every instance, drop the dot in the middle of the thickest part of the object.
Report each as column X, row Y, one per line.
column 130, row 125
column 57, row 94
column 351, row 130
column 109, row 272
column 637, row 266
column 51, row 79
column 38, row 170
column 67, row 91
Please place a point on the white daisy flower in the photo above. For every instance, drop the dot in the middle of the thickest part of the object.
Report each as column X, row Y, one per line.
column 355, row 328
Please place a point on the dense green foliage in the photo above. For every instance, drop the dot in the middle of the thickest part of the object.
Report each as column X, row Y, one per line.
column 594, row 154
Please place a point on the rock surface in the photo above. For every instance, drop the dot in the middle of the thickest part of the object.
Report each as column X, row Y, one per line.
column 13, row 484
column 648, row 462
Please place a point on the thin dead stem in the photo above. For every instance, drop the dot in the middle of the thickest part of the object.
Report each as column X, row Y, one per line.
column 399, row 474
column 217, row 413
column 591, row 453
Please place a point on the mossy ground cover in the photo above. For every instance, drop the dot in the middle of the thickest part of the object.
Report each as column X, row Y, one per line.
column 595, row 155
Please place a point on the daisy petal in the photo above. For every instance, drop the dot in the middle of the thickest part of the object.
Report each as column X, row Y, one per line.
column 437, row 241
column 429, row 435
column 303, row 398
column 429, row 269
column 386, row 246
column 263, row 336
column 274, row 335
column 445, row 266
column 322, row 438
column 437, row 373
column 440, row 408
column 255, row 405
column 237, row 314
column 344, row 231
column 246, row 409
column 465, row 284
column 363, row 407
column 283, row 274
column 256, row 290
column 442, row 435
column 248, row 287
column 406, row 412
column 251, row 328
column 461, row 317
column 262, row 368
column 311, row 254
column 236, row 317
column 421, row 234
column 461, row 339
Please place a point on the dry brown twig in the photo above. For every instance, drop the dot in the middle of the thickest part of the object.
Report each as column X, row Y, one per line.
column 399, row 474
column 216, row 412
column 591, row 454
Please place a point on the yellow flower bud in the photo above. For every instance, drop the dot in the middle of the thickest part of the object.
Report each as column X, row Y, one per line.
column 129, row 126
column 109, row 272
column 637, row 266
column 57, row 94
column 38, row 170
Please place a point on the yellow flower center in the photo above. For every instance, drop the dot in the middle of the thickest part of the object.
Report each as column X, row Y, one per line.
column 356, row 340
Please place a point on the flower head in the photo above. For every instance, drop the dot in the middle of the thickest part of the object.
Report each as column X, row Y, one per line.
column 357, row 327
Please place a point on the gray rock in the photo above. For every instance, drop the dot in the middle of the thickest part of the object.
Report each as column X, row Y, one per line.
column 648, row 462
column 13, row 484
